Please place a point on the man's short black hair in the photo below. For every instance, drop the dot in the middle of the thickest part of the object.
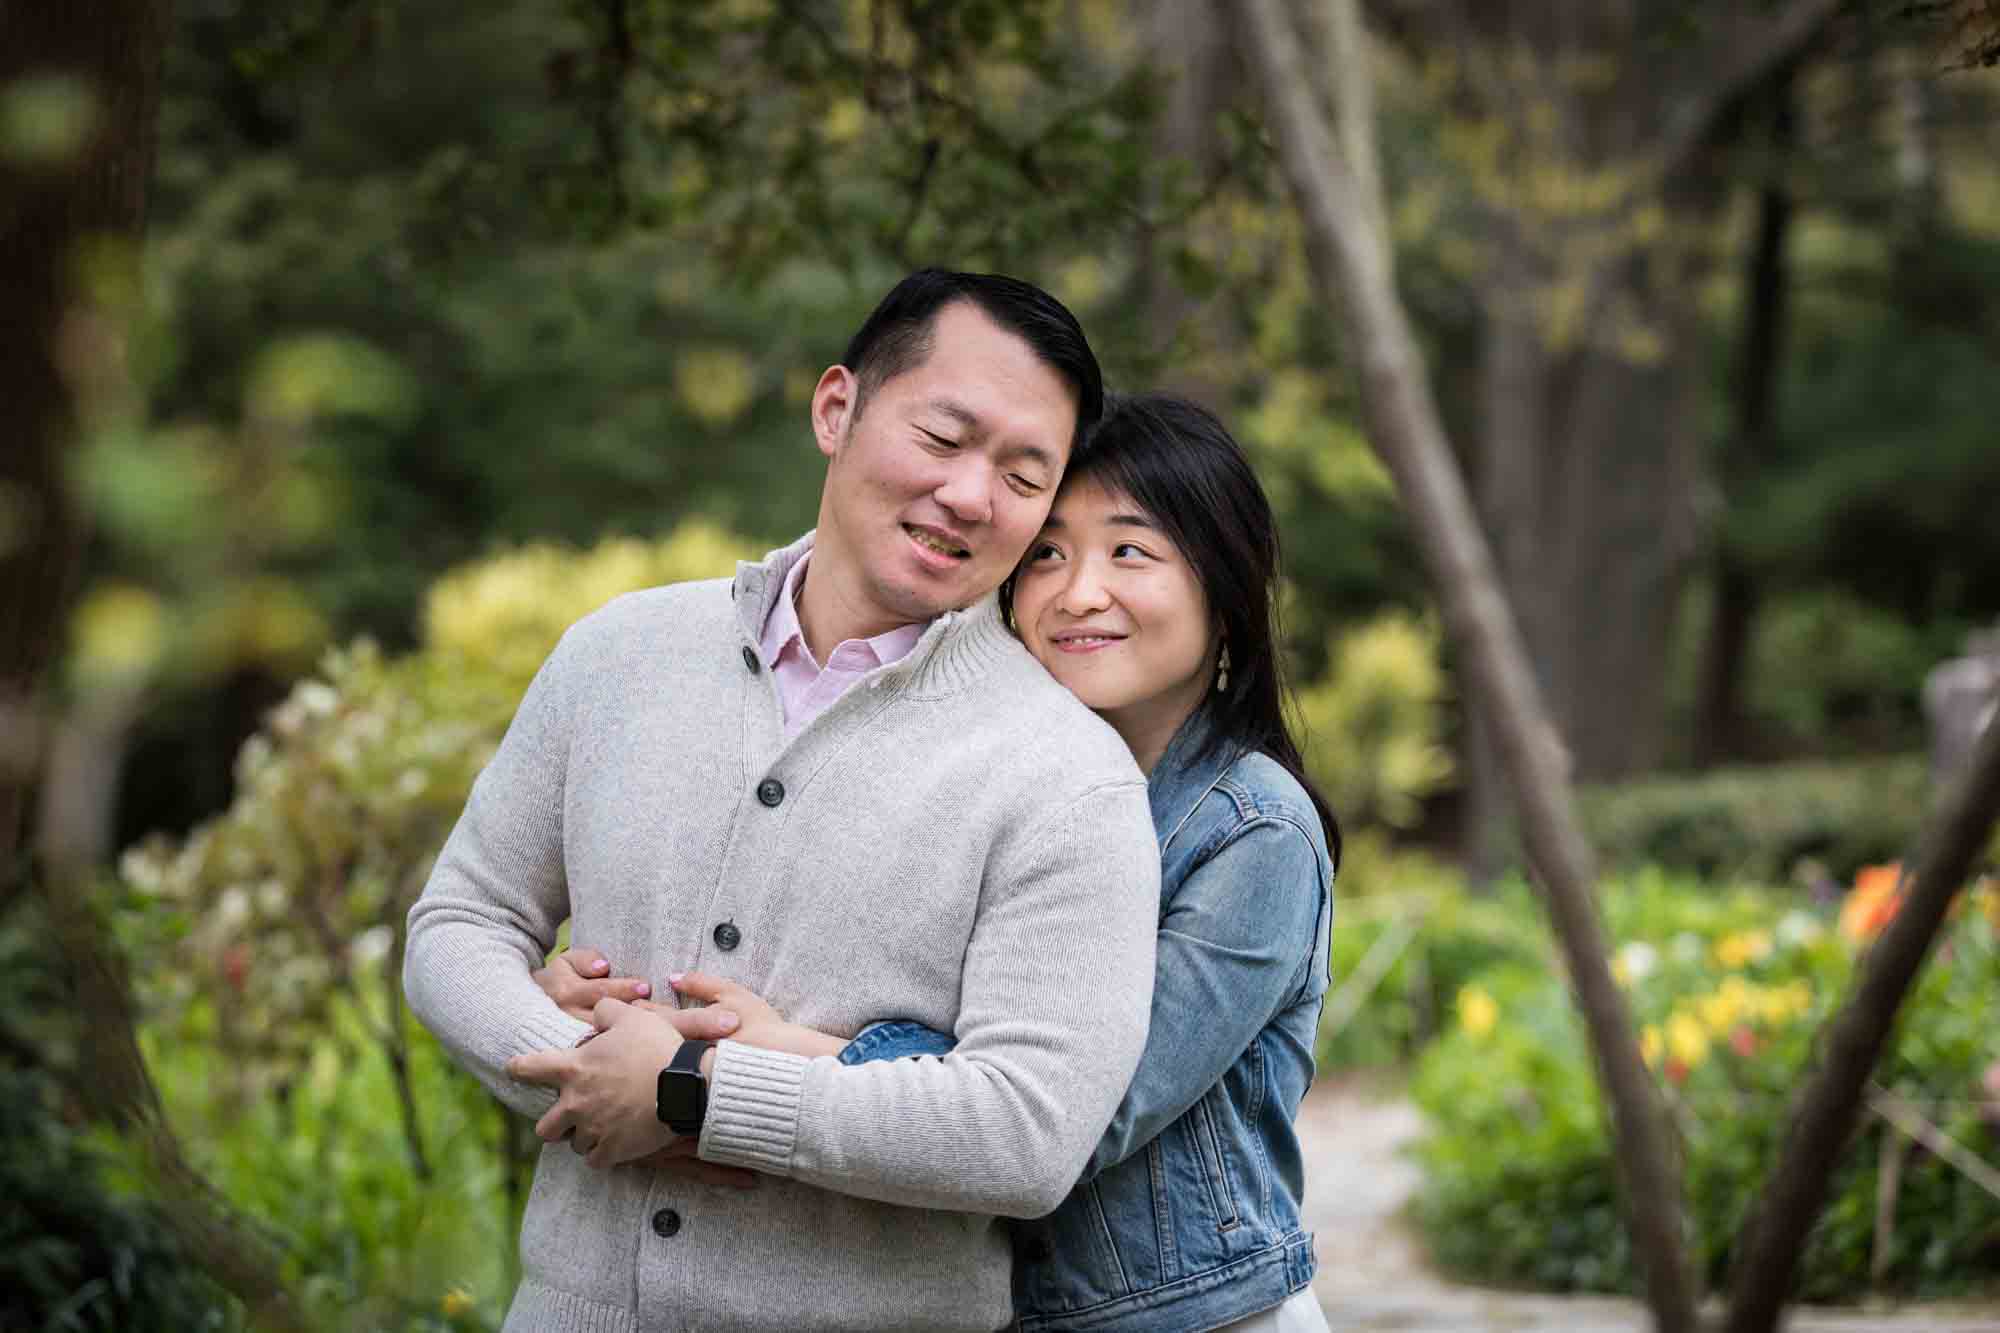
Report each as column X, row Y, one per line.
column 898, row 334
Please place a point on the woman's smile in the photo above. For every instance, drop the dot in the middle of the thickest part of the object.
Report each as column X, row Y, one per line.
column 1111, row 607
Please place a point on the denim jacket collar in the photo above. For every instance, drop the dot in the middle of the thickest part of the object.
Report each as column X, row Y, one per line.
column 1179, row 781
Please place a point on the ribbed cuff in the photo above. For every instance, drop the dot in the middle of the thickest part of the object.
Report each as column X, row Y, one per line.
column 753, row 1108
column 552, row 1031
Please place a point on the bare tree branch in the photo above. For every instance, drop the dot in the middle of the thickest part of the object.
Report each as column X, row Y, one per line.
column 1738, row 58
column 1353, row 270
column 1853, row 1042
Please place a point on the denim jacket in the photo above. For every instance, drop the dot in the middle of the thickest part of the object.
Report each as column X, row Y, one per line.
column 1187, row 1215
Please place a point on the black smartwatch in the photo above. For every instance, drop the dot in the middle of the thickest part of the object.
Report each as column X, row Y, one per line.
column 683, row 1092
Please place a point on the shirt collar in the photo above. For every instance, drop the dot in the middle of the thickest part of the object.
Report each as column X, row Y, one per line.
column 782, row 628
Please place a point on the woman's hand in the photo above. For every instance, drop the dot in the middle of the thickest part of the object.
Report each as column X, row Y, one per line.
column 576, row 979
column 760, row 1024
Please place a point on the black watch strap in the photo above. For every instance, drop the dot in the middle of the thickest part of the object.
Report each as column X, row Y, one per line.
column 682, row 1095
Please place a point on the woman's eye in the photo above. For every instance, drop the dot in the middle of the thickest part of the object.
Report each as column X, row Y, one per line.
column 1042, row 551
column 1122, row 549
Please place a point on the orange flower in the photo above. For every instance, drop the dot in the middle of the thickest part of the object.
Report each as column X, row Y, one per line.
column 1873, row 901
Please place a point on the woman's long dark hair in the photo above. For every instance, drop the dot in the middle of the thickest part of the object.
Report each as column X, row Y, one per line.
column 1177, row 462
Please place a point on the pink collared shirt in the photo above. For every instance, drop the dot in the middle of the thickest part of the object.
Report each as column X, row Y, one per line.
column 805, row 688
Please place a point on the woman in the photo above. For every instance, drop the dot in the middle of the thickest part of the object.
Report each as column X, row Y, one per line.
column 1149, row 594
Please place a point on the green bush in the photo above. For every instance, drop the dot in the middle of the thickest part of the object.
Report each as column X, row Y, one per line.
column 1373, row 724
column 1760, row 823
column 79, row 1252
column 1825, row 665
column 1432, row 937
column 1729, row 987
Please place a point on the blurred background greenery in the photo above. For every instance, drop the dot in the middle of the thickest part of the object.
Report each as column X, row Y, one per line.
column 452, row 321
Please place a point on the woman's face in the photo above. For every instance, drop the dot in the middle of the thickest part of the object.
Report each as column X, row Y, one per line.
column 1115, row 613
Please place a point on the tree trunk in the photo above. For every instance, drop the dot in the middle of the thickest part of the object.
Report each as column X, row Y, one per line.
column 1339, row 201
column 1594, row 166
column 1187, row 44
column 108, row 51
column 1853, row 1043
column 1719, row 726
column 85, row 194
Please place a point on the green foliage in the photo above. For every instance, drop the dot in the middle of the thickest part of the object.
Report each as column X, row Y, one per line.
column 79, row 1253
column 1764, row 823
column 1828, row 670
column 1431, row 936
column 1372, row 724
column 389, row 1223
column 1730, row 987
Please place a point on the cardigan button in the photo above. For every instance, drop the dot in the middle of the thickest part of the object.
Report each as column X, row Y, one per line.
column 750, row 661
column 727, row 937
column 771, row 791
column 666, row 1223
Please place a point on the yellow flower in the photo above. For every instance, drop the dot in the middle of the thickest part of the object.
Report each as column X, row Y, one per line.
column 1719, row 1011
column 1745, row 946
column 1687, row 1040
column 1649, row 1045
column 457, row 1301
column 1477, row 1011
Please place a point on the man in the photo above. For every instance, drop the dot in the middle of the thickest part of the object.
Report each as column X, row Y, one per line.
column 925, row 827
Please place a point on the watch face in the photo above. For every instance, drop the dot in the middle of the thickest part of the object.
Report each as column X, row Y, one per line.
column 683, row 1100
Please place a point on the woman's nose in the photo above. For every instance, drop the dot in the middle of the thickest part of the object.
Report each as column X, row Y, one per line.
column 1083, row 591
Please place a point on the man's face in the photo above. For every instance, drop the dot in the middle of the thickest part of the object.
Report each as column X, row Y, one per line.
column 934, row 492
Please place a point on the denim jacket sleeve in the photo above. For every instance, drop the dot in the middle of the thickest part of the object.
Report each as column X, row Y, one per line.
column 894, row 1039
column 1231, row 949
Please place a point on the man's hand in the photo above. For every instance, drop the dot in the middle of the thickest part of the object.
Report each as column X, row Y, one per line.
column 576, row 979
column 608, row 1085
column 761, row 1024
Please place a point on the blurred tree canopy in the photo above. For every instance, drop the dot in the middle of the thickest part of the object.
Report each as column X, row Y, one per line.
column 427, row 280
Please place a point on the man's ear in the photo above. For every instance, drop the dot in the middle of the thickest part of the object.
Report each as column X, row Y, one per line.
column 834, row 402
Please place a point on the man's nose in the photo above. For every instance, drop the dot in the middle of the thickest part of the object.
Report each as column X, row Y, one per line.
column 967, row 491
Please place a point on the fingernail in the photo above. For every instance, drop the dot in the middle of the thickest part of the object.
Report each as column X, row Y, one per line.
column 600, row 965
column 644, row 989
column 726, row 1021
column 674, row 979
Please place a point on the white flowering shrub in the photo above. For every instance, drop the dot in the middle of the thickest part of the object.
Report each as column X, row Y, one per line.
column 293, row 898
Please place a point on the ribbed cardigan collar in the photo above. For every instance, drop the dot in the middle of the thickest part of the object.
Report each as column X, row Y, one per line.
column 957, row 648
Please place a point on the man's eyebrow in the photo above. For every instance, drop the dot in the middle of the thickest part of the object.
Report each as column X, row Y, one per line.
column 957, row 411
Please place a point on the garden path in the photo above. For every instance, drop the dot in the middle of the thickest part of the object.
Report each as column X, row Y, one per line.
column 1372, row 1271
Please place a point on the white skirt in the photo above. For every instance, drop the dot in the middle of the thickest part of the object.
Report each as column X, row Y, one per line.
column 1299, row 1314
